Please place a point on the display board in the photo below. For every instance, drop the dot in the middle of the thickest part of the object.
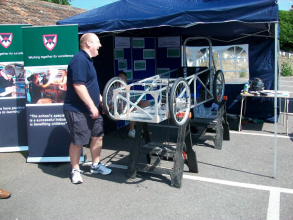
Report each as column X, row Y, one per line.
column 48, row 135
column 168, row 55
column 47, row 52
column 122, row 62
column 135, row 56
column 13, row 132
column 144, row 58
column 122, row 56
column 141, row 58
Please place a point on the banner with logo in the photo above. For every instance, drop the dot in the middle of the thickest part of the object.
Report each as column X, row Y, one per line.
column 13, row 131
column 47, row 52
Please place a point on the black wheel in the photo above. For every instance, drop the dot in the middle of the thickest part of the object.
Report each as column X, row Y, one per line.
column 219, row 87
column 180, row 101
column 108, row 101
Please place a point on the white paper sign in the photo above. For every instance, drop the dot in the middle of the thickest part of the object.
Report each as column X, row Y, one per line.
column 122, row 42
column 169, row 42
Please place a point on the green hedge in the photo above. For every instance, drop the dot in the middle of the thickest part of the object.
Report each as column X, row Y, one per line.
column 286, row 69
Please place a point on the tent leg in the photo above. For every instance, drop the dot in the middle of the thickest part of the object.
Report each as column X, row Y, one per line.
column 275, row 102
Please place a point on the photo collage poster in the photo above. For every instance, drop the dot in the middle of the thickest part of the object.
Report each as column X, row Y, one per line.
column 47, row 52
column 46, row 85
column 12, row 81
column 13, row 130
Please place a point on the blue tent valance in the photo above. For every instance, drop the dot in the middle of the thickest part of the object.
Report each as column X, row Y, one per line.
column 137, row 14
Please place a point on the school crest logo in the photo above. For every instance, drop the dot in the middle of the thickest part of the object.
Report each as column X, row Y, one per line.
column 50, row 41
column 5, row 39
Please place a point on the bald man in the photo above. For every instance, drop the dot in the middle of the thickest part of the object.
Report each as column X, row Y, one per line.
column 81, row 107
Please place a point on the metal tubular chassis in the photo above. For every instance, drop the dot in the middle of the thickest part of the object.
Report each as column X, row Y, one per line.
column 170, row 97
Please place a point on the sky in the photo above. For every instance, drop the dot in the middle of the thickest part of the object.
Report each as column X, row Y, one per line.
column 90, row 4
column 284, row 5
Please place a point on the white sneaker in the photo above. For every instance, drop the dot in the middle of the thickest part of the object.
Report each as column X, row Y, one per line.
column 131, row 134
column 100, row 168
column 76, row 177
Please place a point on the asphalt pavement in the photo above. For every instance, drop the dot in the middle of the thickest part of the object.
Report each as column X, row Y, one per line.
column 240, row 181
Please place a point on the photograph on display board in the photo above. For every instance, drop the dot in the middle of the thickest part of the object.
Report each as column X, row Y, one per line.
column 119, row 54
column 139, row 65
column 46, row 85
column 12, row 82
column 138, row 43
column 122, row 64
column 148, row 54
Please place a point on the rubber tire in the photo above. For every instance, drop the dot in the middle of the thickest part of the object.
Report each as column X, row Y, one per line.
column 106, row 95
column 172, row 97
column 215, row 85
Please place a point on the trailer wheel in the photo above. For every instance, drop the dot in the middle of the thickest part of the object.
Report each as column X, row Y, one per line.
column 219, row 87
column 108, row 101
column 180, row 102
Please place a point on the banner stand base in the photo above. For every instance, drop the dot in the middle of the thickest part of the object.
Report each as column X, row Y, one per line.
column 51, row 159
column 13, row 149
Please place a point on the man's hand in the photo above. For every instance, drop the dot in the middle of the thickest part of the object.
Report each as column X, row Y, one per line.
column 95, row 113
column 82, row 92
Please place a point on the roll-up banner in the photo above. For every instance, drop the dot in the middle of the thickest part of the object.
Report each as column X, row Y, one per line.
column 13, row 129
column 47, row 52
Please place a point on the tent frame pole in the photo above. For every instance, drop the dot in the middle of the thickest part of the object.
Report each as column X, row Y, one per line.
column 275, row 99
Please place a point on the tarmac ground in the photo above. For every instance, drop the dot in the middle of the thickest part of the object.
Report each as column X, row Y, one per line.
column 240, row 181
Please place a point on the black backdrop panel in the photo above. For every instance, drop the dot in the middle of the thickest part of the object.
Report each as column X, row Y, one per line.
column 48, row 134
column 12, row 122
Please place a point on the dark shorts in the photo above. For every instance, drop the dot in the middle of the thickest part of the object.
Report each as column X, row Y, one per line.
column 82, row 127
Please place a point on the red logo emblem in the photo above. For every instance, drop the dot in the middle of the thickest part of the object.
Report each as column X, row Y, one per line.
column 50, row 41
column 5, row 39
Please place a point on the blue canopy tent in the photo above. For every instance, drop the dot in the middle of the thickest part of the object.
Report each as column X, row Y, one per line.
column 139, row 14
column 225, row 22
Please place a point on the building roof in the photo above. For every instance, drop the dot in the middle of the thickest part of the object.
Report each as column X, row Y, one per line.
column 35, row 12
